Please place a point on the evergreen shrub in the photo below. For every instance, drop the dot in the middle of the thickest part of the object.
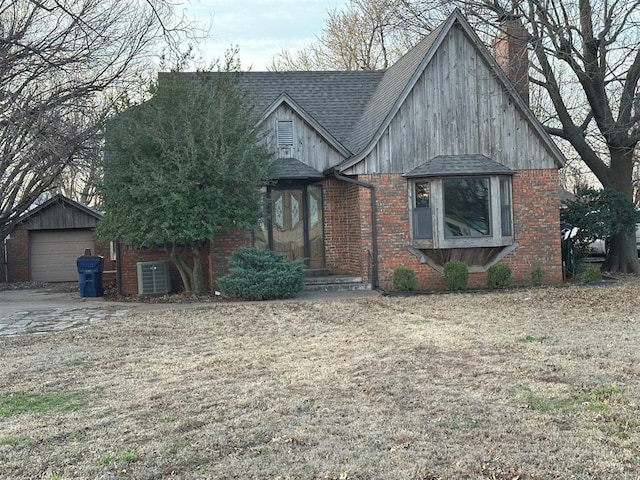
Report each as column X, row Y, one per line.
column 262, row 275
column 456, row 275
column 499, row 276
column 592, row 274
column 404, row 278
column 537, row 276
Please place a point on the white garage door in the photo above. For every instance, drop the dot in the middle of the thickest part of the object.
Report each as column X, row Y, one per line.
column 53, row 254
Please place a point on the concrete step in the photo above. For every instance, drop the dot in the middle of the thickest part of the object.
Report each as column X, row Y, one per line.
column 335, row 283
column 316, row 272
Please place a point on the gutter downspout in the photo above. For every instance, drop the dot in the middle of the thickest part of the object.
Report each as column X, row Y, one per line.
column 118, row 269
column 374, row 224
column 5, row 259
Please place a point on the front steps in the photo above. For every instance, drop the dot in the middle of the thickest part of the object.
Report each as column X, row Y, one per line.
column 335, row 283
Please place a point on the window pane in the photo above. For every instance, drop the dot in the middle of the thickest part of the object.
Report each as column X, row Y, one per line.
column 422, row 212
column 422, row 194
column 467, row 211
column 261, row 233
column 505, row 206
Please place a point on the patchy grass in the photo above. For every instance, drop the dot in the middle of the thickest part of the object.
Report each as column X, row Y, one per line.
column 457, row 386
column 20, row 402
column 14, row 441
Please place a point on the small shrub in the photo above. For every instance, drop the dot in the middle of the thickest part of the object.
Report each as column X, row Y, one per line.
column 262, row 275
column 404, row 278
column 537, row 276
column 456, row 275
column 498, row 276
column 592, row 274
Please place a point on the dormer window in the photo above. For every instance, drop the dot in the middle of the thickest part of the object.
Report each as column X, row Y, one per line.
column 285, row 133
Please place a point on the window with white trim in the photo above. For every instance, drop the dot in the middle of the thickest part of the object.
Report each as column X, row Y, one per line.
column 461, row 211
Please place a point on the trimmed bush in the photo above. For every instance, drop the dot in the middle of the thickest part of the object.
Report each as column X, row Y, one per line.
column 456, row 275
column 404, row 278
column 537, row 276
column 592, row 274
column 262, row 275
column 498, row 276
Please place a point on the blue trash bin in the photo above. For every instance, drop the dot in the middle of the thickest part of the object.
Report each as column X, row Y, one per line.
column 90, row 275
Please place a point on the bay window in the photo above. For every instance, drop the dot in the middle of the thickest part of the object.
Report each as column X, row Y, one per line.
column 461, row 211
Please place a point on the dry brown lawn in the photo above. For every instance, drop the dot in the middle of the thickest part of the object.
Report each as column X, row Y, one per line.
column 523, row 384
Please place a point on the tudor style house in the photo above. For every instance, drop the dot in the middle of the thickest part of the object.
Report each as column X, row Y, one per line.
column 434, row 159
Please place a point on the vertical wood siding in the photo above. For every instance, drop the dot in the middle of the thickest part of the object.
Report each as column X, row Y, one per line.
column 456, row 107
column 308, row 145
column 59, row 216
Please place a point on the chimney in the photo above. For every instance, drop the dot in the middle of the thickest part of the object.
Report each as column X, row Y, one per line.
column 510, row 50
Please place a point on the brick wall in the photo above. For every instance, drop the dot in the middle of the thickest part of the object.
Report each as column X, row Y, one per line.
column 536, row 211
column 348, row 242
column 536, row 229
column 18, row 256
column 222, row 247
column 130, row 256
column 343, row 244
column 214, row 259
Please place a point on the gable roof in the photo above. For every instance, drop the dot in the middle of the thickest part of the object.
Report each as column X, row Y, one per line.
column 292, row 168
column 385, row 100
column 398, row 83
column 62, row 200
column 352, row 109
column 334, row 100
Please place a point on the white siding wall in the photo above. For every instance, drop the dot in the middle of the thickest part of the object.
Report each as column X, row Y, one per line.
column 456, row 107
column 308, row 146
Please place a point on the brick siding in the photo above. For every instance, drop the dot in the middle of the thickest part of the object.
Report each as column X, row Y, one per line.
column 18, row 256
column 214, row 258
column 536, row 229
column 348, row 243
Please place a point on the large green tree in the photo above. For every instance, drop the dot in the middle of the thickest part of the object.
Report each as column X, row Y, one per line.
column 183, row 167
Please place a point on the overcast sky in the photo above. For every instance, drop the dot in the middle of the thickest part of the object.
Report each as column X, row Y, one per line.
column 261, row 28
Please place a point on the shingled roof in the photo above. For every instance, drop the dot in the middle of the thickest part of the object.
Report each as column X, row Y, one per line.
column 292, row 169
column 335, row 100
column 452, row 165
column 389, row 90
column 351, row 109
column 351, row 106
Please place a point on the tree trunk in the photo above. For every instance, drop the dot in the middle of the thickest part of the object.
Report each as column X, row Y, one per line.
column 197, row 278
column 183, row 269
column 623, row 255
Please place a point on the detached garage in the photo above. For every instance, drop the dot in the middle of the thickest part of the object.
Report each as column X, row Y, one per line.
column 53, row 253
column 47, row 241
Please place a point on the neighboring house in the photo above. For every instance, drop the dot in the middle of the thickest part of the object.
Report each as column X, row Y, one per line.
column 44, row 245
column 437, row 158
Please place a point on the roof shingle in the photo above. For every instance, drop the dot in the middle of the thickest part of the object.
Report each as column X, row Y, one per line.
column 452, row 165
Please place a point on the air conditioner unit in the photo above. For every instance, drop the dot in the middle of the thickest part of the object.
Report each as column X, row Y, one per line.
column 153, row 278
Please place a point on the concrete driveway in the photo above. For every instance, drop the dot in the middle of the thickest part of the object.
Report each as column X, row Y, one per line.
column 40, row 311
column 43, row 311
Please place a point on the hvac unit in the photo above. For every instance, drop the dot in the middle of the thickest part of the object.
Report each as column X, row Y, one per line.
column 153, row 278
